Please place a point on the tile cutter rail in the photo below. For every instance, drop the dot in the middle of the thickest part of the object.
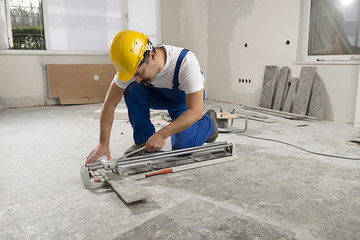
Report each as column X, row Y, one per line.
column 138, row 167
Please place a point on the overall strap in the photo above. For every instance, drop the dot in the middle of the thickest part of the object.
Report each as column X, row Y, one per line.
column 177, row 68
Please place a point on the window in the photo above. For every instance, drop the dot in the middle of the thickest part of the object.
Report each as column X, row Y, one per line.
column 334, row 27
column 74, row 26
column 27, row 24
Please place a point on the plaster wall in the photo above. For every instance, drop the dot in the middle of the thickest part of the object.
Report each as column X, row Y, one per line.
column 194, row 30
column 23, row 78
column 185, row 24
column 21, row 81
column 171, row 22
column 340, row 86
column 245, row 36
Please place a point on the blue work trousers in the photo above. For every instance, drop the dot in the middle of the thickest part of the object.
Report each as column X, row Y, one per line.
column 140, row 98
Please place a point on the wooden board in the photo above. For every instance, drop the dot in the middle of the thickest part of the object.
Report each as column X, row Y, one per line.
column 80, row 83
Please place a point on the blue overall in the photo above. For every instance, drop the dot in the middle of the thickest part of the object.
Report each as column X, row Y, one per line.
column 140, row 98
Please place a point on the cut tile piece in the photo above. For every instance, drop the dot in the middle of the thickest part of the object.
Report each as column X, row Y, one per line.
column 280, row 89
column 126, row 187
column 316, row 105
column 2, row 105
column 268, row 86
column 143, row 206
column 200, row 219
column 303, row 91
column 287, row 86
column 290, row 96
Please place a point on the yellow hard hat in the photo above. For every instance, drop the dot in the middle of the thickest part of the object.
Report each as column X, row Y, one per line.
column 126, row 52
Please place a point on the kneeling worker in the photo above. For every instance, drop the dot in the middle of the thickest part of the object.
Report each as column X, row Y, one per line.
column 162, row 77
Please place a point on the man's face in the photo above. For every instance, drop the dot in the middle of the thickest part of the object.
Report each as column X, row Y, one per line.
column 145, row 73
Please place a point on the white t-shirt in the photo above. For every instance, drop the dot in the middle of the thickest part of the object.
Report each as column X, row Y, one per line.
column 190, row 77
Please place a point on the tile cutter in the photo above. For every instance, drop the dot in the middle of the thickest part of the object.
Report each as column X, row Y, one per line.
column 138, row 167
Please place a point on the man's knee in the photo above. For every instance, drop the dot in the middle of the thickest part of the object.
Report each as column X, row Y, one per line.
column 183, row 140
column 180, row 144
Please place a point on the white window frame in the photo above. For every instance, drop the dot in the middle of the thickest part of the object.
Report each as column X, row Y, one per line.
column 44, row 9
column 339, row 59
column 10, row 35
column 8, row 24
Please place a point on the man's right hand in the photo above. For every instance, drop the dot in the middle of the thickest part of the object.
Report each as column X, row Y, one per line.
column 112, row 99
column 99, row 151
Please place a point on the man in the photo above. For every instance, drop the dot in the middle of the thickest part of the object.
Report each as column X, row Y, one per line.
column 165, row 77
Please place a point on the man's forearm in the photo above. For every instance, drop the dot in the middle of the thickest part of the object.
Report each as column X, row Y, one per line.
column 112, row 99
column 106, row 121
column 194, row 102
column 184, row 121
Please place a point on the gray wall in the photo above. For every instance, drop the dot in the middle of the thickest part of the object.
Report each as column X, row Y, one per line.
column 170, row 26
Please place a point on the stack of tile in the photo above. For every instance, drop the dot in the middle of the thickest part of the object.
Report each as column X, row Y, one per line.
column 301, row 96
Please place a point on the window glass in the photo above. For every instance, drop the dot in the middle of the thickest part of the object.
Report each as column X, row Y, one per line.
column 334, row 27
column 82, row 25
column 143, row 17
column 27, row 24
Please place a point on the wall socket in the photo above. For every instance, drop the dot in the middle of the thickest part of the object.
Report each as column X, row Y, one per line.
column 244, row 80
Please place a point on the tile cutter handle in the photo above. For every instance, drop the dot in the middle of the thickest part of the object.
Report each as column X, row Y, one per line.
column 132, row 153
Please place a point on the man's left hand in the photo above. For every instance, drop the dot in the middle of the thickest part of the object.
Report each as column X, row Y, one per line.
column 155, row 142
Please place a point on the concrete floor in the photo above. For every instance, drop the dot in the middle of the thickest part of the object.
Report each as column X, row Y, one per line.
column 272, row 191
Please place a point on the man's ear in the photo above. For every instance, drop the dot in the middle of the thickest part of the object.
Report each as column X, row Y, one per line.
column 152, row 55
